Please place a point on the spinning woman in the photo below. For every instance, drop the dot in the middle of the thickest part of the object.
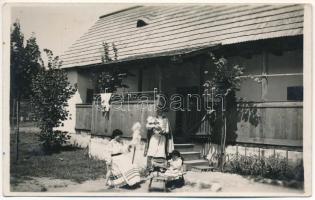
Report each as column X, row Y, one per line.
column 120, row 171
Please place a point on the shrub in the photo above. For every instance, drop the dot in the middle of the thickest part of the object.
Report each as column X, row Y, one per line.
column 52, row 141
column 273, row 167
column 50, row 94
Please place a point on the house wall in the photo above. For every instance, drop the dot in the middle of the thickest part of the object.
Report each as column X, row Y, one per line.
column 83, row 82
column 253, row 66
column 69, row 124
column 289, row 62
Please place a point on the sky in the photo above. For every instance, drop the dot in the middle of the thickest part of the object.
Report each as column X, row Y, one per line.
column 55, row 26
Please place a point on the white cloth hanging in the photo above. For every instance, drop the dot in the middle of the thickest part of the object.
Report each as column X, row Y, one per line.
column 105, row 98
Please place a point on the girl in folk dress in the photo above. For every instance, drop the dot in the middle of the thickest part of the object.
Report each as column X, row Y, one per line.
column 120, row 171
column 175, row 171
column 175, row 168
column 160, row 140
column 138, row 149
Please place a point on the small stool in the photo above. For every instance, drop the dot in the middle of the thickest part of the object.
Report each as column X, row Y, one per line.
column 159, row 179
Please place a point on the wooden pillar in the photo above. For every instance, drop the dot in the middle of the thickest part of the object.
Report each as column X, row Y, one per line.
column 140, row 78
column 160, row 76
column 264, row 81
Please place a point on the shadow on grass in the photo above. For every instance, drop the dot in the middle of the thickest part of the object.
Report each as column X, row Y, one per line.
column 69, row 162
column 58, row 150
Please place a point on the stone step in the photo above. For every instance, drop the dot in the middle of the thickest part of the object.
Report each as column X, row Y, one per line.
column 189, row 163
column 190, row 155
column 184, row 147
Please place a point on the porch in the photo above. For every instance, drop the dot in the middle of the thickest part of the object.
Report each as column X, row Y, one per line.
column 277, row 98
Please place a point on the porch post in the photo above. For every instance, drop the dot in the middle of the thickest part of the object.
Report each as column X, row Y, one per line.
column 264, row 82
column 140, row 77
column 160, row 76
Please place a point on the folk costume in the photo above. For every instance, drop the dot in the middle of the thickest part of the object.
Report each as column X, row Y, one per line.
column 159, row 139
column 122, row 171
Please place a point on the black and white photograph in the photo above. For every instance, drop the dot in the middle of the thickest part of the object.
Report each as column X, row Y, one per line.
column 152, row 99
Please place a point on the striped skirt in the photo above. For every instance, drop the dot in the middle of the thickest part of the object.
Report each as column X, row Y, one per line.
column 123, row 172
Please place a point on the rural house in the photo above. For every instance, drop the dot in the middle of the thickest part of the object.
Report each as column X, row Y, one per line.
column 165, row 49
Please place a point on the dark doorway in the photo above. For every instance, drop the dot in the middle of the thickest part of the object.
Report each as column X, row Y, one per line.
column 189, row 116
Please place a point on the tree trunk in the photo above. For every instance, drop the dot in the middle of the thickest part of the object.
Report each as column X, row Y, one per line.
column 17, row 129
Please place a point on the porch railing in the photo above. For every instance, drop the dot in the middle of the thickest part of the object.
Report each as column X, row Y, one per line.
column 279, row 124
column 125, row 110
column 129, row 97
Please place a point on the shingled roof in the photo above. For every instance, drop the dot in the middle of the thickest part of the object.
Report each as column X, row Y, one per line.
column 169, row 30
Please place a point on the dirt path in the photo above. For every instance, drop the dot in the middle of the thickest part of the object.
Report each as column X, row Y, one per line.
column 208, row 182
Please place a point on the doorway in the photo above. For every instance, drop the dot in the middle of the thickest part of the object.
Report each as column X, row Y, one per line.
column 190, row 114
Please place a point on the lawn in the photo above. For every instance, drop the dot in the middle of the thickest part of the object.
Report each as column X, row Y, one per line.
column 70, row 163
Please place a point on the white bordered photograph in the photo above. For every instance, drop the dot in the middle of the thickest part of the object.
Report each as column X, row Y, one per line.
column 121, row 99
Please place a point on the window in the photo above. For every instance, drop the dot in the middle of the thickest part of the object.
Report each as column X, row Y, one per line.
column 295, row 93
column 141, row 23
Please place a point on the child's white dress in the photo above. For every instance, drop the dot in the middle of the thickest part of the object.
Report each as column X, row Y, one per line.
column 175, row 168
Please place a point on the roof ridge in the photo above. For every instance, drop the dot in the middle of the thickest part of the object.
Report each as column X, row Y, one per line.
column 119, row 11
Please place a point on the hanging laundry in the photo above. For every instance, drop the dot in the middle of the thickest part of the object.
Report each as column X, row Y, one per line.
column 105, row 98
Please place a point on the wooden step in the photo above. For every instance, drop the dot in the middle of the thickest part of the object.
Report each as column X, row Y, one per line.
column 184, row 147
column 202, row 168
column 190, row 155
column 189, row 163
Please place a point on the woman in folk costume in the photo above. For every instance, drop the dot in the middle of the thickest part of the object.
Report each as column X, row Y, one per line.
column 120, row 171
column 160, row 140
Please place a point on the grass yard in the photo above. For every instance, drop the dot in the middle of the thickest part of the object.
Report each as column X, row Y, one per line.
column 70, row 163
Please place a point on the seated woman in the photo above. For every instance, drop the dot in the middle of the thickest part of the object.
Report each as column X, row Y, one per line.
column 121, row 171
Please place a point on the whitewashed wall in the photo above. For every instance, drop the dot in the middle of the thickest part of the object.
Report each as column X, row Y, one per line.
column 98, row 147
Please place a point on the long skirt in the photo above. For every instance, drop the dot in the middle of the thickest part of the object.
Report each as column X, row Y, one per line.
column 123, row 172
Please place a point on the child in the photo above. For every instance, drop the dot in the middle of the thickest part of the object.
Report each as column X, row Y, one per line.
column 175, row 170
column 136, row 148
column 175, row 165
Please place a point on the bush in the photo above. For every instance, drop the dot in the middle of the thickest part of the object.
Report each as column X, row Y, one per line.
column 53, row 140
column 50, row 94
column 273, row 167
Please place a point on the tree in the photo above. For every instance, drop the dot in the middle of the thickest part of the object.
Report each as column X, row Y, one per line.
column 226, row 80
column 24, row 63
column 224, row 84
column 50, row 94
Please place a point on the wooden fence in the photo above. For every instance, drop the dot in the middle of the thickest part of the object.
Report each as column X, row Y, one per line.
column 279, row 123
column 121, row 116
column 83, row 117
column 272, row 123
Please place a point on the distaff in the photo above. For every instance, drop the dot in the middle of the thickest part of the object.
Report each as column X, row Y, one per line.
column 136, row 138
